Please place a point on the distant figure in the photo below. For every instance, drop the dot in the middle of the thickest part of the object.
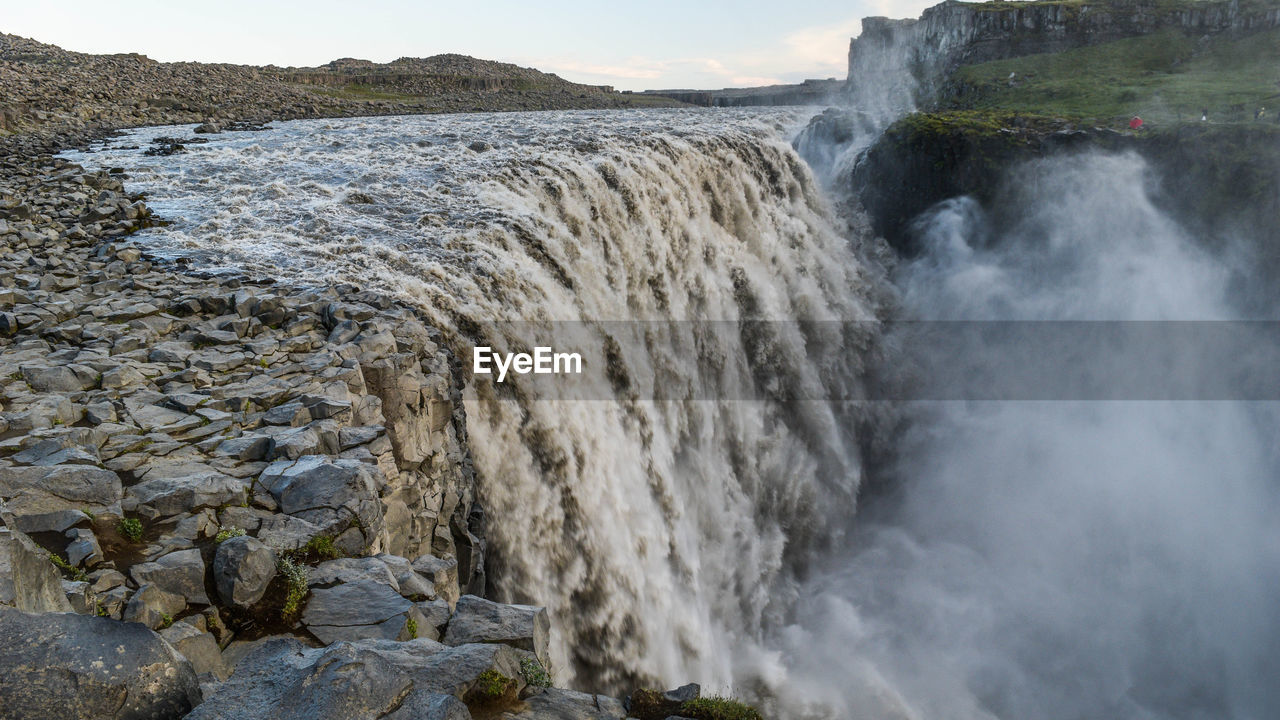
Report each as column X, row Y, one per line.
column 1204, row 115
column 1261, row 114
column 1135, row 123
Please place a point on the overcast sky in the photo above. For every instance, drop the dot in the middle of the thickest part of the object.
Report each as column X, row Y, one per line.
column 631, row 45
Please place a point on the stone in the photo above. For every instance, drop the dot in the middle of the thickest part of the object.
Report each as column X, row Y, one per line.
column 199, row 648
column 83, row 550
column 476, row 620
column 246, row 447
column 153, row 607
column 167, row 496
column 362, row 680
column 349, row 570
column 34, row 490
column 442, row 573
column 28, row 580
column 558, row 704
column 180, row 573
column 242, row 569
column 90, row 668
column 61, row 378
column 333, row 494
column 81, row 596
column 356, row 610
column 294, row 414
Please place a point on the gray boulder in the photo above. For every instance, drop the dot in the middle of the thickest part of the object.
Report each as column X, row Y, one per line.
column 28, row 580
column 333, row 494
column 362, row 680
column 90, row 668
column 242, row 569
column 168, row 496
column 358, row 610
column 180, row 573
column 43, row 490
column 199, row 648
column 557, row 704
column 476, row 620
column 153, row 607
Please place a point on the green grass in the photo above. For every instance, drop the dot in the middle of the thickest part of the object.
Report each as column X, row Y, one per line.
column 1162, row 77
column 296, row 576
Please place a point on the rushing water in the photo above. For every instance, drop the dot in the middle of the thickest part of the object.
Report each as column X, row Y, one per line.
column 1067, row 559
column 665, row 537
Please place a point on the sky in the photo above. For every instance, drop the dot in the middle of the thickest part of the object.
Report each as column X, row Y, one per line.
column 630, row 45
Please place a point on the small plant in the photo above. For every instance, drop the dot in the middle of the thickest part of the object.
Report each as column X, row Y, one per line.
column 491, row 685
column 227, row 533
column 89, row 514
column 412, row 626
column 99, row 609
column 322, row 547
column 534, row 674
column 76, row 572
column 719, row 708
column 262, row 361
column 296, row 576
column 166, row 620
column 130, row 529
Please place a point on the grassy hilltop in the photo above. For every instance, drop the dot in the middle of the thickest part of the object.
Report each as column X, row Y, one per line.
column 1165, row 78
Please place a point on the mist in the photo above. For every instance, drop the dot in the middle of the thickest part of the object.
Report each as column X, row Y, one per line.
column 1067, row 559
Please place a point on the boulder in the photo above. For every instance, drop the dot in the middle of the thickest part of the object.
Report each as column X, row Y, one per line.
column 242, row 569
column 153, row 607
column 172, row 495
column 333, row 494
column 90, row 668
column 28, row 580
column 476, row 620
column 198, row 647
column 180, row 573
column 357, row 610
column 558, row 704
column 42, row 490
column 362, row 680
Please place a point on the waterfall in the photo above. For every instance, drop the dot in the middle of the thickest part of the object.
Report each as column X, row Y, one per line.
column 666, row 532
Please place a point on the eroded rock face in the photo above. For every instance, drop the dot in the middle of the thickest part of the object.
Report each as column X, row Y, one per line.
column 90, row 668
column 28, row 581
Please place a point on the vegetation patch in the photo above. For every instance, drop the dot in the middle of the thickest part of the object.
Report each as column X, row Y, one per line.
column 75, row 572
column 492, row 688
column 130, row 529
column 534, row 674
column 719, row 708
column 296, row 576
column 1163, row 78
column 227, row 533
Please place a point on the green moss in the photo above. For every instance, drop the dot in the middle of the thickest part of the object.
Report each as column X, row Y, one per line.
column 411, row 625
column 719, row 708
column 534, row 674
column 166, row 620
column 491, row 685
column 130, row 529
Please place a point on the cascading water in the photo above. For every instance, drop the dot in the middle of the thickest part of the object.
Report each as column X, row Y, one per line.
column 665, row 536
column 1066, row 559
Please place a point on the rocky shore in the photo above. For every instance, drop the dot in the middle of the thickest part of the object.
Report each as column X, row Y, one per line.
column 50, row 94
column 225, row 497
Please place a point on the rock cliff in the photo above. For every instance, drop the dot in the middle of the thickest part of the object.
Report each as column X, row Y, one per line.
column 956, row 33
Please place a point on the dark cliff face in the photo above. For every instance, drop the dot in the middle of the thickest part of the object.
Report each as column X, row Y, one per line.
column 958, row 33
column 1219, row 181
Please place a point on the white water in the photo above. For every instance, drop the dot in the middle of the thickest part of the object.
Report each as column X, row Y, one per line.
column 1076, row 559
column 664, row 537
column 1032, row 559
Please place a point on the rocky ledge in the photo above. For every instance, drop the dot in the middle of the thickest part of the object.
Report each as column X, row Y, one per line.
column 225, row 497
